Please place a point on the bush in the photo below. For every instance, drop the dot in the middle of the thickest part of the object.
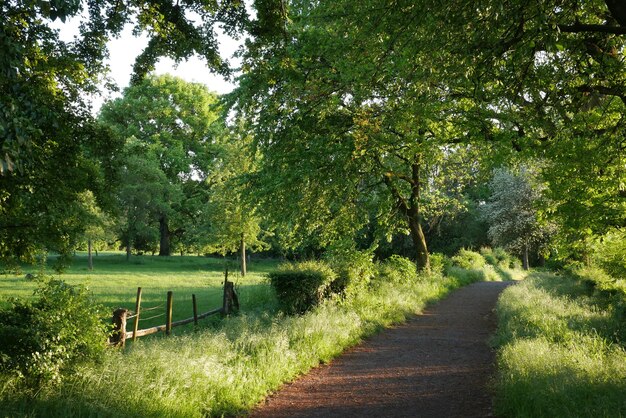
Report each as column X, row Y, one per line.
column 469, row 260
column 301, row 286
column 467, row 276
column 50, row 335
column 598, row 280
column 439, row 263
column 355, row 269
column 499, row 257
column 610, row 253
column 489, row 256
column 397, row 269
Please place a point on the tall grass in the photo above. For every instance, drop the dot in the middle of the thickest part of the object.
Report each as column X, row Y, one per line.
column 560, row 351
column 228, row 366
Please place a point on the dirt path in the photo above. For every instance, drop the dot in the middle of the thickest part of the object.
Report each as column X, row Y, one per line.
column 438, row 364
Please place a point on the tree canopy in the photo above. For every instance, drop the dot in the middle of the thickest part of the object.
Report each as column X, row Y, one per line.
column 172, row 128
column 371, row 116
column 348, row 98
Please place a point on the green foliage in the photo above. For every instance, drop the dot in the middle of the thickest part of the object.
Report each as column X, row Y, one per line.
column 301, row 286
column 467, row 276
column 51, row 149
column 439, row 263
column 170, row 128
column 398, row 269
column 499, row 257
column 469, row 266
column 467, row 259
column 560, row 350
column 609, row 252
column 602, row 284
column 354, row 268
column 46, row 338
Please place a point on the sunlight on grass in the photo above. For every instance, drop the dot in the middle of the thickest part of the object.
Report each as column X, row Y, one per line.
column 229, row 365
column 114, row 282
column 560, row 354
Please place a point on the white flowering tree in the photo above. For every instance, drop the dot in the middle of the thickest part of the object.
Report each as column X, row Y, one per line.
column 512, row 214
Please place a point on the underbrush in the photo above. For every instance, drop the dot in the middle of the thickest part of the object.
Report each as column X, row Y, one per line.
column 227, row 368
column 561, row 350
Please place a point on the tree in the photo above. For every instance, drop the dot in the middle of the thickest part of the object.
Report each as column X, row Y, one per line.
column 145, row 196
column 544, row 78
column 353, row 117
column 232, row 221
column 51, row 149
column 552, row 77
column 512, row 214
column 98, row 227
column 178, row 123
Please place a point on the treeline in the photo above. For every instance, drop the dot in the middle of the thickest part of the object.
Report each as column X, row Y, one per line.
column 409, row 128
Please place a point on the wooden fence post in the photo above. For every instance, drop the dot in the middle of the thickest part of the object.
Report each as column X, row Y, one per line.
column 168, row 314
column 230, row 298
column 195, row 309
column 118, row 337
column 137, row 310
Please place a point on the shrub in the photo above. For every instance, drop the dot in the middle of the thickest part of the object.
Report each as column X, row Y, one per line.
column 50, row 335
column 301, row 286
column 499, row 257
column 610, row 253
column 397, row 269
column 469, row 260
column 439, row 263
column 489, row 256
column 355, row 269
column 466, row 276
column 597, row 279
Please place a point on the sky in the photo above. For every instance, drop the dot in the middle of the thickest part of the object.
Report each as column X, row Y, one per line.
column 125, row 49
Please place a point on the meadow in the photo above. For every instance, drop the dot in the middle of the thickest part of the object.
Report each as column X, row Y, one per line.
column 114, row 281
column 561, row 348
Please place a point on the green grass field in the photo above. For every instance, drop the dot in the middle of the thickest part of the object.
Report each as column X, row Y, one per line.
column 114, row 282
column 561, row 350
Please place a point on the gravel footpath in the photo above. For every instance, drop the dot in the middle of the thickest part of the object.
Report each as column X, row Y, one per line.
column 437, row 364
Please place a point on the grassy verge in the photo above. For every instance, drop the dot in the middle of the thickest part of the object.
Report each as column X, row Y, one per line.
column 228, row 366
column 560, row 350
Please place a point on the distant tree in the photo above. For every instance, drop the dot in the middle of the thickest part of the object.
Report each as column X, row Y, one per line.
column 175, row 125
column 99, row 225
column 51, row 149
column 145, row 195
column 512, row 215
column 233, row 222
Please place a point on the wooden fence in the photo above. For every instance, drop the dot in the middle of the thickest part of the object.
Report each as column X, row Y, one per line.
column 121, row 316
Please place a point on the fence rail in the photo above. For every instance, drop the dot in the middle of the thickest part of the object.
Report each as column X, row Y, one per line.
column 230, row 301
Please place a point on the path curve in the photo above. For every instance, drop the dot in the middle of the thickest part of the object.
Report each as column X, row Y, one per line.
column 437, row 364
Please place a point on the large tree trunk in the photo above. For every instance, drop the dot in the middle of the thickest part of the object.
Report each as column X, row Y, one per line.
column 419, row 241
column 243, row 256
column 410, row 207
column 164, row 232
